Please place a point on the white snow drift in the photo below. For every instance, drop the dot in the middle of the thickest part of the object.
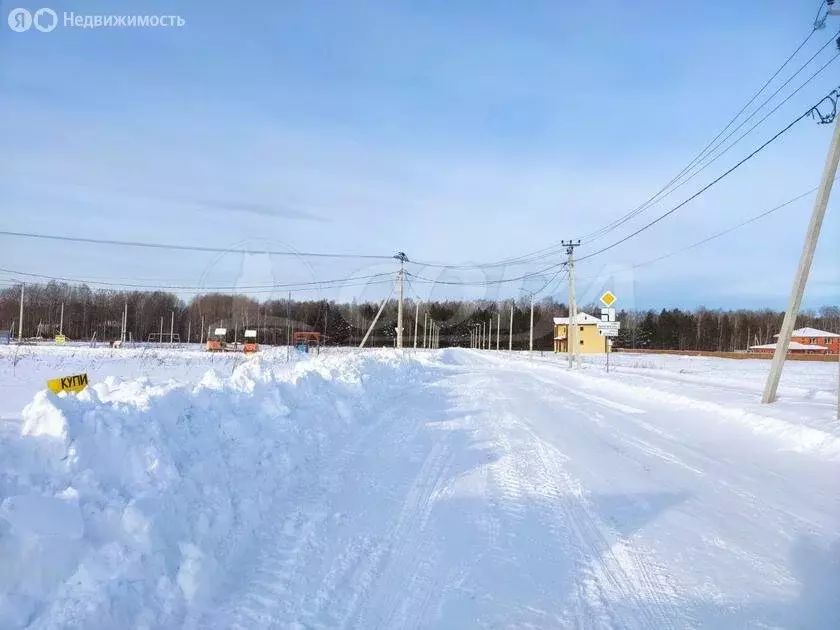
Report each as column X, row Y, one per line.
column 436, row 489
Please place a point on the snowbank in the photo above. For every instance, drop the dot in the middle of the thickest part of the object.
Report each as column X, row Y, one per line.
column 119, row 505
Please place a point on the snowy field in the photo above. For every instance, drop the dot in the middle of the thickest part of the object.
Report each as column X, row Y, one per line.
column 433, row 489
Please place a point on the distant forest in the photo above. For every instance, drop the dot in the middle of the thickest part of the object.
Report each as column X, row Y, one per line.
column 88, row 311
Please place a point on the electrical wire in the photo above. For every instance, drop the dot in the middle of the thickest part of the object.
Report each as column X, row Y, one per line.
column 489, row 282
column 730, row 229
column 835, row 93
column 717, row 140
column 748, row 131
column 294, row 285
column 710, row 146
column 192, row 248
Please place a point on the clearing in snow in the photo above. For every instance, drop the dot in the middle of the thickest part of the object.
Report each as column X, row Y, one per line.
column 448, row 489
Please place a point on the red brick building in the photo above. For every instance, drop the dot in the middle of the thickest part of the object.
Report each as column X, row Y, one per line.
column 806, row 341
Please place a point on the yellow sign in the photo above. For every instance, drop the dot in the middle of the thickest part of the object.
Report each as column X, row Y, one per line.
column 74, row 383
column 608, row 298
column 60, row 338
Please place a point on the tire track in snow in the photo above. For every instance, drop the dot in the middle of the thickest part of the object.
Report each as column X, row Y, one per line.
column 401, row 564
column 267, row 600
column 621, row 571
column 609, row 569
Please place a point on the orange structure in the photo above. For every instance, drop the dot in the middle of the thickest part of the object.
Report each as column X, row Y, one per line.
column 303, row 340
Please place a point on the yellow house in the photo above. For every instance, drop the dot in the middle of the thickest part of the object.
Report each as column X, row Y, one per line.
column 588, row 339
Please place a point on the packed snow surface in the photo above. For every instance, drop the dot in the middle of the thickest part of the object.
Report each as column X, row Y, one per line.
column 438, row 489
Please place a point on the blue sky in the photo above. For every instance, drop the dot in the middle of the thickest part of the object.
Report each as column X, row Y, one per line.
column 460, row 132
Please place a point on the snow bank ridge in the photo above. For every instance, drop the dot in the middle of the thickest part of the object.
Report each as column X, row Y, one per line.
column 121, row 502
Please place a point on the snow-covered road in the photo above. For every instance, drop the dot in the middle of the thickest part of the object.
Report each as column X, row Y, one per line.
column 461, row 489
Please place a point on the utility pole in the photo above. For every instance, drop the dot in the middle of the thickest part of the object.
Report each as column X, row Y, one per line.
column 376, row 318
column 425, row 328
column 489, row 331
column 805, row 260
column 510, row 332
column 571, row 329
column 20, row 319
column 531, row 334
column 172, row 328
column 498, row 329
column 416, row 322
column 201, row 338
column 402, row 258
column 160, row 336
column 189, row 329
column 61, row 321
column 124, row 321
column 483, row 334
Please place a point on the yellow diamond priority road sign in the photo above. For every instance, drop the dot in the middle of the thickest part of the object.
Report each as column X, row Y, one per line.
column 608, row 298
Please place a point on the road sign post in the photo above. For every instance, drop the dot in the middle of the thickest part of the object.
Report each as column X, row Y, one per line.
column 608, row 327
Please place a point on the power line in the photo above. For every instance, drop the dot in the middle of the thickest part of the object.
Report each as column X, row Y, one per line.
column 554, row 248
column 489, row 282
column 193, row 248
column 756, row 124
column 315, row 284
column 831, row 96
column 728, row 230
column 718, row 141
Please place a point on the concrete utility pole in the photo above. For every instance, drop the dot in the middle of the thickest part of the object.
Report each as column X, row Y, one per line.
column 498, row 329
column 805, row 260
column 531, row 334
column 189, row 330
column 172, row 328
column 124, row 322
column 425, row 326
column 489, row 331
column 510, row 333
column 571, row 329
column 416, row 322
column 375, row 319
column 483, row 335
column 20, row 319
column 61, row 321
column 201, row 337
column 160, row 338
column 402, row 258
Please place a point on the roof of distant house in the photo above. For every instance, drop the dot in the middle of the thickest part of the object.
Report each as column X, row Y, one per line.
column 794, row 345
column 582, row 318
column 812, row 332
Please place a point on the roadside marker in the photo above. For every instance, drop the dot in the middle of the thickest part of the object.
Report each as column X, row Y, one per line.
column 75, row 383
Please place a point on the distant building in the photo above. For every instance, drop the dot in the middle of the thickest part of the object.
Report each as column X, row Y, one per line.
column 805, row 341
column 588, row 339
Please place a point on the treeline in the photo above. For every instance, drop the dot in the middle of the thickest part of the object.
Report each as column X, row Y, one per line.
column 715, row 330
column 94, row 313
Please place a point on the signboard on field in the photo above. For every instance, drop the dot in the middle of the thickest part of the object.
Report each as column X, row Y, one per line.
column 75, row 383
column 608, row 329
column 250, row 334
column 220, row 332
column 60, row 338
